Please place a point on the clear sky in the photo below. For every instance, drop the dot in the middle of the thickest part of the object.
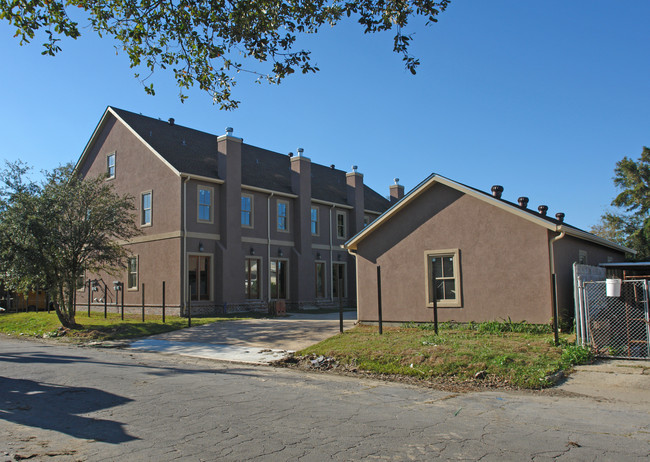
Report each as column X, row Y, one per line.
column 540, row 97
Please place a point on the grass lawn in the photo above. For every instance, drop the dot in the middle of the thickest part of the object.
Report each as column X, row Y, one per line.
column 502, row 354
column 96, row 327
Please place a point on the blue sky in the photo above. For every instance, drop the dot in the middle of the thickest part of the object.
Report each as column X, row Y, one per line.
column 540, row 97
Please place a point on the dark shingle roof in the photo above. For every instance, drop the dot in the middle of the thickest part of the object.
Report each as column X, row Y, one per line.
column 195, row 152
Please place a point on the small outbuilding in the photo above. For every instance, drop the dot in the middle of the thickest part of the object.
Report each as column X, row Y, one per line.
column 476, row 255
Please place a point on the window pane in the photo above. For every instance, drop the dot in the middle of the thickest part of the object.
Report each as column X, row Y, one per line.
column 204, row 278
column 436, row 263
column 314, row 221
column 448, row 267
column 320, row 280
column 282, row 216
column 246, row 209
column 450, row 289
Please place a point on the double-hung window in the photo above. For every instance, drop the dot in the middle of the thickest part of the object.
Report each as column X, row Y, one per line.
column 205, row 204
column 247, row 210
column 110, row 166
column 341, row 225
column 314, row 221
column 146, row 208
column 132, row 273
column 283, row 216
column 443, row 278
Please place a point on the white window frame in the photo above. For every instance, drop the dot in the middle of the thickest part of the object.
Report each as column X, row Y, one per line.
column 108, row 165
column 314, row 225
column 210, row 190
column 137, row 273
column 340, row 213
column 251, row 212
column 455, row 254
column 286, row 217
column 142, row 209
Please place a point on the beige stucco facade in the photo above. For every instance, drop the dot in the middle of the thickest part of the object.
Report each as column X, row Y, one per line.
column 502, row 259
column 178, row 235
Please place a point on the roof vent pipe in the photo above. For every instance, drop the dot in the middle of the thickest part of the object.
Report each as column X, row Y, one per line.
column 290, row 154
column 396, row 180
column 300, row 151
column 523, row 202
column 497, row 190
column 332, row 166
column 560, row 217
column 543, row 209
column 229, row 131
column 171, row 121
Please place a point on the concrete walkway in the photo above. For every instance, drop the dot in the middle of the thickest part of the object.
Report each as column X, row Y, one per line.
column 257, row 341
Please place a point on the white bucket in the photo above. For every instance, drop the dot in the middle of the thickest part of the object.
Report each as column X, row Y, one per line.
column 613, row 287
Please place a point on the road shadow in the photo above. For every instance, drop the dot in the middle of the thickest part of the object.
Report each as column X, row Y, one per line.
column 55, row 407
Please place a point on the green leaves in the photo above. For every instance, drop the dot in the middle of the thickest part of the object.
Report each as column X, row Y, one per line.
column 631, row 227
column 208, row 42
column 51, row 232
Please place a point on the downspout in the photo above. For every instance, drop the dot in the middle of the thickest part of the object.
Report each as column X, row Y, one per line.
column 554, row 286
column 331, row 255
column 184, row 256
column 268, row 244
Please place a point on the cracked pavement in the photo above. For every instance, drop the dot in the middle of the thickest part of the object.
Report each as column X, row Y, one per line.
column 66, row 403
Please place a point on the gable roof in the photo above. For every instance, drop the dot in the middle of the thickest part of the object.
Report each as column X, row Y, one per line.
column 545, row 221
column 193, row 152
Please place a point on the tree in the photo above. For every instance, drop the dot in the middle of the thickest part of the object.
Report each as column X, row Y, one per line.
column 630, row 226
column 51, row 232
column 208, row 42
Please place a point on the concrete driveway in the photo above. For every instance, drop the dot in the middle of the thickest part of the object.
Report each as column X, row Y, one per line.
column 257, row 341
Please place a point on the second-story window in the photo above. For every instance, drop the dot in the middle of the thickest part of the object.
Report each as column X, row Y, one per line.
column 314, row 221
column 205, row 204
column 110, row 165
column 247, row 210
column 146, row 209
column 341, row 228
column 283, row 216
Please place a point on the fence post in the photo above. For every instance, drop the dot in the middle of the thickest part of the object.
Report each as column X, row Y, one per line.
column 143, row 302
column 381, row 327
column 163, row 303
column 105, row 300
column 340, row 279
column 122, row 296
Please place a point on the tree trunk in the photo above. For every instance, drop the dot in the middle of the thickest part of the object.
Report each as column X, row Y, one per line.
column 63, row 312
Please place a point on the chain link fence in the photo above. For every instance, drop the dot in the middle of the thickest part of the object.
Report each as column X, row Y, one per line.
column 615, row 326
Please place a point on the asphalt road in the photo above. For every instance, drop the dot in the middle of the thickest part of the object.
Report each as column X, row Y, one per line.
column 68, row 403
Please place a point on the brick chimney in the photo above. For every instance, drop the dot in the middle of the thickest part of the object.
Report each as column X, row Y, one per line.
column 396, row 191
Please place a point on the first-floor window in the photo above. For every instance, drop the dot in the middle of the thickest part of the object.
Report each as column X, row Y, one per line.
column 279, row 279
column 199, row 277
column 132, row 270
column 338, row 280
column 443, row 278
column 251, row 278
column 320, row 279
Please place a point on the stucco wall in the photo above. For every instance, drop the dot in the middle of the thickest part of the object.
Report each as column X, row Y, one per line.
column 137, row 169
column 504, row 262
column 567, row 251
